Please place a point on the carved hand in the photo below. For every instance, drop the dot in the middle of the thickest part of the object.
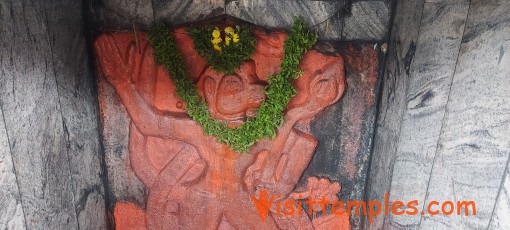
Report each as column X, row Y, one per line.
column 264, row 174
column 254, row 171
column 116, row 67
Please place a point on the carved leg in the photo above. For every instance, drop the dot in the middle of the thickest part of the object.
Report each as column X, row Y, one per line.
column 171, row 187
column 200, row 210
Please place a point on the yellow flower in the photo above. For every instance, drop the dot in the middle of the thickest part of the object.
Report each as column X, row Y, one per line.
column 229, row 30
column 216, row 41
column 216, row 33
column 227, row 40
column 217, row 47
column 235, row 37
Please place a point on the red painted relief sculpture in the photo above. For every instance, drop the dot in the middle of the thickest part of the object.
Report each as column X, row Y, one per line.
column 195, row 182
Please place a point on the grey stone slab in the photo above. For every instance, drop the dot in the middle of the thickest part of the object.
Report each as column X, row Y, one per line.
column 46, row 95
column 279, row 14
column 393, row 101
column 177, row 12
column 431, row 73
column 330, row 29
column 92, row 215
column 369, row 20
column 501, row 214
column 324, row 17
column 78, row 104
column 29, row 99
column 11, row 210
column 473, row 146
column 120, row 14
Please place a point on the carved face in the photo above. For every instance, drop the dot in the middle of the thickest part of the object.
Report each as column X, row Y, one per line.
column 321, row 84
column 232, row 97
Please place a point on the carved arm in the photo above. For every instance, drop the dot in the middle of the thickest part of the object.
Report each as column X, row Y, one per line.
column 119, row 72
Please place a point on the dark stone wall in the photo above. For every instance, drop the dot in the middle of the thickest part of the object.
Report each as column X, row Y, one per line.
column 345, row 20
column 50, row 153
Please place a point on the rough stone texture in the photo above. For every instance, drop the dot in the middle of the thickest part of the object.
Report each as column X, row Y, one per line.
column 368, row 20
column 393, row 101
column 50, row 114
column 119, row 14
column 500, row 215
column 451, row 142
column 333, row 20
column 278, row 14
column 473, row 148
column 323, row 16
column 11, row 210
column 330, row 29
column 79, row 109
column 179, row 12
column 431, row 74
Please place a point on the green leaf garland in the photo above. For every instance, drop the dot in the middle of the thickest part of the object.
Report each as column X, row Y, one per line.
column 270, row 114
column 231, row 56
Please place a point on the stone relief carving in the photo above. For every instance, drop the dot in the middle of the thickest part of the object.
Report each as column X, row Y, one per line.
column 194, row 182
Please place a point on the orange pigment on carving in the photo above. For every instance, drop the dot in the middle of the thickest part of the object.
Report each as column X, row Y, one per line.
column 193, row 181
column 129, row 217
column 364, row 63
